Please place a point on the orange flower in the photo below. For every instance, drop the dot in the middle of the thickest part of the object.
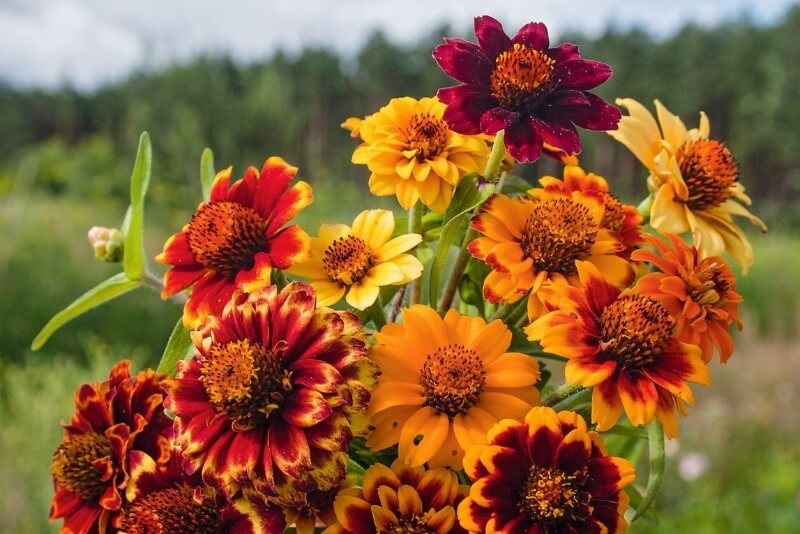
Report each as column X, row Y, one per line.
column 699, row 293
column 623, row 345
column 446, row 381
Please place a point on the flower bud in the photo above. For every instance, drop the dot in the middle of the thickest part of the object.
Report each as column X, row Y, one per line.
column 106, row 243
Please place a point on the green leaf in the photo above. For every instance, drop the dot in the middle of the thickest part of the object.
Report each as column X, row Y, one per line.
column 655, row 435
column 471, row 192
column 179, row 347
column 354, row 468
column 207, row 172
column 515, row 185
column 101, row 293
column 133, row 261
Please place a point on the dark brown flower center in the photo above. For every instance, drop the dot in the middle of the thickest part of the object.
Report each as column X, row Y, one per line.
column 170, row 511
column 72, row 466
column 634, row 330
column 417, row 524
column 225, row 236
column 550, row 496
column 426, row 134
column 452, row 379
column 521, row 75
column 347, row 260
column 614, row 214
column 709, row 170
column 246, row 381
column 556, row 233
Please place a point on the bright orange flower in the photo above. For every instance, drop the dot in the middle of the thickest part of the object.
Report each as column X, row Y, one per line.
column 306, row 510
column 400, row 499
column 623, row 345
column 235, row 239
column 548, row 474
column 533, row 242
column 446, row 381
column 699, row 293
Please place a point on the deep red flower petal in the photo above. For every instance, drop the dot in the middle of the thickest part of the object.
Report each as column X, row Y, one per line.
column 290, row 451
column 558, row 133
column 269, row 188
column 534, row 35
column 209, row 296
column 316, row 374
column 306, row 408
column 465, row 107
column 582, row 74
column 463, row 61
column 288, row 247
column 177, row 252
column 599, row 115
column 522, row 142
column 256, row 277
column 565, row 98
column 289, row 205
column 292, row 313
column 564, row 52
column 491, row 37
column 497, row 119
column 179, row 278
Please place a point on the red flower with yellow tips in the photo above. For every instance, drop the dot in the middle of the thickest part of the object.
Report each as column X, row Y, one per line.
column 548, row 475
column 699, row 293
column 90, row 469
column 273, row 394
column 236, row 238
column 622, row 344
column 400, row 499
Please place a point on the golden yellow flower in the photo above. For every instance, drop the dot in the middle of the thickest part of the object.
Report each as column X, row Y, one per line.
column 354, row 262
column 413, row 154
column 694, row 180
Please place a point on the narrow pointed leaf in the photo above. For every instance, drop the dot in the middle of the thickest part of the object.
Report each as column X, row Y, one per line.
column 179, row 347
column 655, row 434
column 207, row 172
column 101, row 293
column 133, row 261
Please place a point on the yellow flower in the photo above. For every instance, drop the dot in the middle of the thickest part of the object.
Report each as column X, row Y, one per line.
column 694, row 180
column 354, row 262
column 444, row 383
column 413, row 154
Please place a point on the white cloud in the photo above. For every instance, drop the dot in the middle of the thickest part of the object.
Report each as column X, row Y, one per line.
column 90, row 42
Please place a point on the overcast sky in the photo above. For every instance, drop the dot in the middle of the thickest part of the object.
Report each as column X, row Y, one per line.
column 90, row 42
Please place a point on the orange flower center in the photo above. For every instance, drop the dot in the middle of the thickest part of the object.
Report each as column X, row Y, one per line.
column 426, row 134
column 709, row 170
column 452, row 379
column 634, row 330
column 245, row 381
column 170, row 510
column 711, row 286
column 418, row 524
column 521, row 75
column 347, row 260
column 72, row 466
column 225, row 236
column 614, row 214
column 552, row 496
column 556, row 233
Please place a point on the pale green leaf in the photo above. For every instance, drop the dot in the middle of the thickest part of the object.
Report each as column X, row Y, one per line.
column 133, row 261
column 207, row 172
column 179, row 347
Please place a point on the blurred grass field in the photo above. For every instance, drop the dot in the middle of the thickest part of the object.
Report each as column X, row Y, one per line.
column 736, row 466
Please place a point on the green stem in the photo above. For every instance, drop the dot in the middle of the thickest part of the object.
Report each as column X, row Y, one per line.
column 496, row 157
column 415, row 227
column 376, row 314
column 510, row 310
column 152, row 281
column 655, row 436
column 562, row 392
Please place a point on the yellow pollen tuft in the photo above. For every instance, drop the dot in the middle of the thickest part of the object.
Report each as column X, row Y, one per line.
column 347, row 260
column 552, row 496
column 709, row 170
column 709, row 287
column 425, row 134
column 614, row 214
column 244, row 380
column 225, row 236
column 634, row 330
column 556, row 233
column 170, row 510
column 72, row 466
column 521, row 75
column 452, row 379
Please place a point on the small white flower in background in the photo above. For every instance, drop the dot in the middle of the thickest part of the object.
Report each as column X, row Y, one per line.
column 106, row 243
column 692, row 466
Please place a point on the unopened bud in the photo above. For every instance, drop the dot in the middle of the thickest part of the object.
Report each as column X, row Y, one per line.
column 106, row 243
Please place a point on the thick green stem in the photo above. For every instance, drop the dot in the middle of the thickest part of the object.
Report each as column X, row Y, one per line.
column 495, row 158
column 561, row 393
column 376, row 314
column 655, row 436
column 509, row 311
column 415, row 227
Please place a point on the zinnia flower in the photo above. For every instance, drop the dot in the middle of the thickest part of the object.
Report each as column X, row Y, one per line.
column 354, row 262
column 699, row 293
column 315, row 507
column 235, row 239
column 273, row 393
column 444, row 383
column 413, row 154
column 535, row 93
column 548, row 474
column 400, row 499
column 694, row 180
column 163, row 500
column 623, row 345
column 90, row 468
column 534, row 242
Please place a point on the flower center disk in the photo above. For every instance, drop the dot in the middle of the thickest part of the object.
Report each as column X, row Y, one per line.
column 556, row 233
column 426, row 134
column 170, row 510
column 711, row 287
column 521, row 75
column 245, row 381
column 551, row 496
column 709, row 170
column 614, row 214
column 452, row 379
column 414, row 525
column 634, row 330
column 347, row 260
column 225, row 236
column 72, row 464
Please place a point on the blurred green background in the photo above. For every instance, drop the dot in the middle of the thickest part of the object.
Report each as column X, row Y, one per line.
column 67, row 156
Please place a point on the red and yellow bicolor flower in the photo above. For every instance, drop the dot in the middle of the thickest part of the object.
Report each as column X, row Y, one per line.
column 236, row 238
column 622, row 344
column 548, row 473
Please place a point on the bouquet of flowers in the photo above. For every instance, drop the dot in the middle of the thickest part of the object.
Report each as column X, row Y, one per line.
column 401, row 374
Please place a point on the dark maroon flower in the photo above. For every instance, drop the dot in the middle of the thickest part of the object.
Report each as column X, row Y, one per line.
column 535, row 93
